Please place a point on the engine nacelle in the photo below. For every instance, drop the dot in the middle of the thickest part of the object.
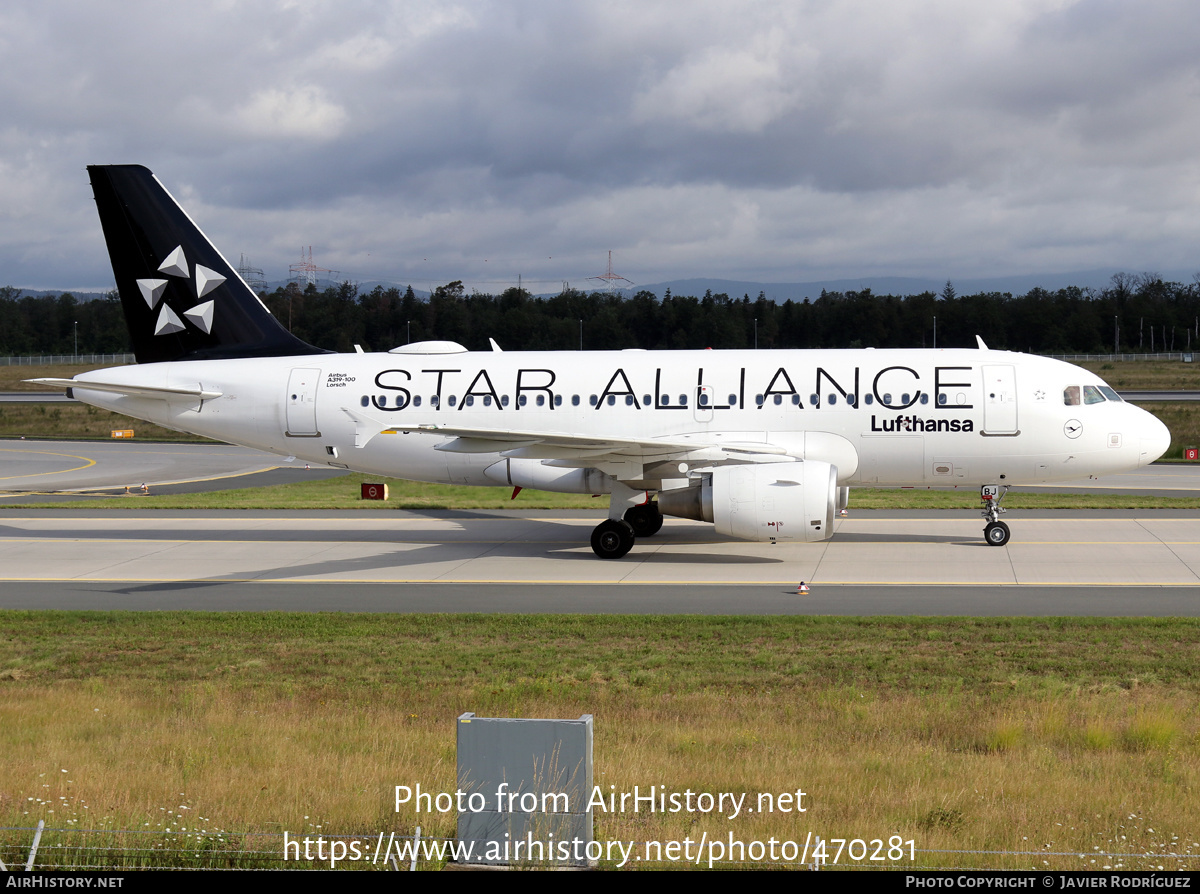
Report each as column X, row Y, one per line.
column 763, row 501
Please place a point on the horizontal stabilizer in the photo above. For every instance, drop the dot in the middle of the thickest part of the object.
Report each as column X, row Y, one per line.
column 151, row 391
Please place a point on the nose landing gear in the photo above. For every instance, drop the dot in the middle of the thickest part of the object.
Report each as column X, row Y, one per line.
column 996, row 532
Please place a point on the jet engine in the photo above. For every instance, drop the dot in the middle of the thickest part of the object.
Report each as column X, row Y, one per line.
column 763, row 501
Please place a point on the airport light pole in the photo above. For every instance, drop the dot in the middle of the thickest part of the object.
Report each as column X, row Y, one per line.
column 76, row 341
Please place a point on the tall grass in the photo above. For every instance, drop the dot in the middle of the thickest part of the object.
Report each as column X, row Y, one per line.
column 1034, row 737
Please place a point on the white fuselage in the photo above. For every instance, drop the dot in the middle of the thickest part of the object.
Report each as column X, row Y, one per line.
column 882, row 417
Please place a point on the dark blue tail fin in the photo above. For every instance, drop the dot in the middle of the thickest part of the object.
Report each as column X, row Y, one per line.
column 182, row 300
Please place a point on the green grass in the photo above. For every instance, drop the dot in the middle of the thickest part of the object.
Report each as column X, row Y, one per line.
column 78, row 422
column 1074, row 736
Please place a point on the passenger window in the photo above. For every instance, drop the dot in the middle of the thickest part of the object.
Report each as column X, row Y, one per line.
column 522, row 400
column 469, row 400
column 795, row 400
column 1071, row 396
column 574, row 400
column 683, row 400
column 814, row 399
column 558, row 400
column 612, row 400
column 416, row 400
column 733, row 400
column 924, row 398
column 487, row 400
column 871, row 399
column 433, row 400
column 778, row 399
column 453, row 399
column 629, row 400
column 541, row 400
column 593, row 400
column 504, row 400
column 646, row 400
column 832, row 399
column 366, row 401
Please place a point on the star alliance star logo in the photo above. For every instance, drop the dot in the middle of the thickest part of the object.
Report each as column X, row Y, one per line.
column 201, row 316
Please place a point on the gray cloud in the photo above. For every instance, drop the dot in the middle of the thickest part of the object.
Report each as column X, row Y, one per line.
column 431, row 141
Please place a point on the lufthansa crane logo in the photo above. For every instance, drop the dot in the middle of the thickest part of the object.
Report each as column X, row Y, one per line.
column 200, row 315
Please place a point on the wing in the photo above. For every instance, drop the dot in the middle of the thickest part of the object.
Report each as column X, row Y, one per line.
column 567, row 448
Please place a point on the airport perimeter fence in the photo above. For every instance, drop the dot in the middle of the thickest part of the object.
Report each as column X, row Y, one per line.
column 59, row 359
column 1179, row 356
column 102, row 850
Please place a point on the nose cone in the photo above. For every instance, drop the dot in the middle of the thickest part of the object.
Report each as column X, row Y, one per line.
column 1156, row 438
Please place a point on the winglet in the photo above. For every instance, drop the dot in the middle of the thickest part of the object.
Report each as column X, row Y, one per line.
column 495, row 347
column 982, row 346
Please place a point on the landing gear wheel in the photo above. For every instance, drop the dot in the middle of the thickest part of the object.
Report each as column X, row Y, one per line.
column 645, row 520
column 996, row 534
column 611, row 539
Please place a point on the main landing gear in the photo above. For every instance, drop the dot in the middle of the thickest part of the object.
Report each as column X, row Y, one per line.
column 645, row 520
column 614, row 537
column 996, row 532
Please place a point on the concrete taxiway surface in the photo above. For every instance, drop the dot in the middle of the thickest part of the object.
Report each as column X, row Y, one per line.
column 931, row 563
column 62, row 469
column 1066, row 563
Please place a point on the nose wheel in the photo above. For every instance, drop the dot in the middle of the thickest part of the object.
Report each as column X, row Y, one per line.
column 996, row 532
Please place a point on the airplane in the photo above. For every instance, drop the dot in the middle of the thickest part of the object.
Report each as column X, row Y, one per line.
column 762, row 444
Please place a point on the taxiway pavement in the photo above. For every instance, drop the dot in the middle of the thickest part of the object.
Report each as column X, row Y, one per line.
column 895, row 563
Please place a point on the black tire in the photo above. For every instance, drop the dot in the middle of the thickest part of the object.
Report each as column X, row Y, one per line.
column 996, row 534
column 645, row 520
column 612, row 539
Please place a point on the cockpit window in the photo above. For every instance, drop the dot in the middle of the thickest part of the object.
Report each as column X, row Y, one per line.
column 1071, row 396
column 1092, row 395
column 1109, row 393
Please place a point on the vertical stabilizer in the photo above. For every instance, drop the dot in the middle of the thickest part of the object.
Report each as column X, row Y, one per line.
column 182, row 299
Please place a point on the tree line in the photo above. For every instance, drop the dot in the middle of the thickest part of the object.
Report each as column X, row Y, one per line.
column 1134, row 312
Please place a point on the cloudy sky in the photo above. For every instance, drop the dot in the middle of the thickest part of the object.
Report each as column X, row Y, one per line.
column 421, row 142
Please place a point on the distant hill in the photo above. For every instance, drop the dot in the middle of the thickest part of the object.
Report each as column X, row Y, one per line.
column 798, row 291
column 895, row 285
